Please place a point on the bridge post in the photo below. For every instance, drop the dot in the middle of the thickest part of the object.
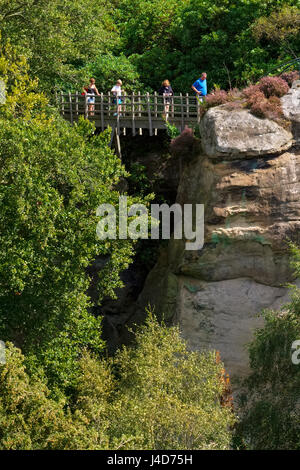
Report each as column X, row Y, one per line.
column 109, row 103
column 71, row 107
column 139, row 113
column 187, row 106
column 86, row 109
column 112, row 136
column 132, row 114
column 181, row 112
column 125, row 107
column 76, row 105
column 198, row 110
column 124, row 110
column 115, row 139
column 102, row 111
column 118, row 146
column 62, row 103
column 118, row 121
column 155, row 110
column 149, row 115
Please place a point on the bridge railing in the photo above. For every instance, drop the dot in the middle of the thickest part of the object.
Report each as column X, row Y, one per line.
column 135, row 111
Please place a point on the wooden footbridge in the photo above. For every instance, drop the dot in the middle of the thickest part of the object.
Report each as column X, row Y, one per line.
column 137, row 111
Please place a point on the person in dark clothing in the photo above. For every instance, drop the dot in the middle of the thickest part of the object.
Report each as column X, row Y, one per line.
column 167, row 92
column 91, row 91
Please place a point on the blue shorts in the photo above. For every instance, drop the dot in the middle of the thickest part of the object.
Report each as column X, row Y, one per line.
column 91, row 100
column 115, row 101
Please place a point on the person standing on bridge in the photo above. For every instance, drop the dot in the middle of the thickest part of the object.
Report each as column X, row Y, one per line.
column 167, row 92
column 90, row 92
column 200, row 87
column 117, row 92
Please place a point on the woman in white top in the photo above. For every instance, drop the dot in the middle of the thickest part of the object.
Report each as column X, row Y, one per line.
column 117, row 92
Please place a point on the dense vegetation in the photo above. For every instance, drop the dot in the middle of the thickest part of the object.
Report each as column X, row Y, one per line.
column 153, row 396
column 145, row 41
column 58, row 390
column 53, row 177
column 270, row 402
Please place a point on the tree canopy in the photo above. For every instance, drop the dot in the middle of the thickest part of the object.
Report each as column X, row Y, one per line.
column 53, row 178
column 156, row 395
column 144, row 42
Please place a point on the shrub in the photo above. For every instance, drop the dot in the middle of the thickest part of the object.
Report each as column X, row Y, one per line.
column 167, row 396
column 253, row 95
column 155, row 395
column 29, row 418
column 263, row 99
column 234, row 93
column 183, row 144
column 216, row 98
column 273, row 86
column 267, row 108
column 290, row 77
column 172, row 131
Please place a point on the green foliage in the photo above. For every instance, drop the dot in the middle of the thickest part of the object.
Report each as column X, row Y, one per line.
column 172, row 131
column 106, row 69
column 53, row 178
column 138, row 179
column 145, row 24
column 29, row 419
column 270, row 416
column 22, row 99
column 57, row 37
column 281, row 27
column 156, row 395
column 179, row 40
column 168, row 397
column 144, row 42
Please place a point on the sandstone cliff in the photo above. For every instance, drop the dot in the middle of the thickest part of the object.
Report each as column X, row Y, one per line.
column 248, row 177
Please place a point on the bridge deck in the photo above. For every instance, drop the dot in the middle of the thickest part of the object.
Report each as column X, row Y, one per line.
column 138, row 111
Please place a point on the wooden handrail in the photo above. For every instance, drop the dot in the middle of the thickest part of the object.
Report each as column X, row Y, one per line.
column 127, row 95
column 138, row 111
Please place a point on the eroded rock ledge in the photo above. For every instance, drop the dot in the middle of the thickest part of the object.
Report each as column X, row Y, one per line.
column 252, row 208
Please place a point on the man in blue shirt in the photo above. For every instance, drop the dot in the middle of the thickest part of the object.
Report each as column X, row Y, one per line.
column 200, row 86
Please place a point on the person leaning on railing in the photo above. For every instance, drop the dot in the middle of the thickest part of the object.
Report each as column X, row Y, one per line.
column 167, row 92
column 90, row 92
column 200, row 87
column 117, row 92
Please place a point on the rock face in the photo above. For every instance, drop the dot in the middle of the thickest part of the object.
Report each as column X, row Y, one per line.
column 240, row 134
column 291, row 109
column 223, row 314
column 252, row 207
